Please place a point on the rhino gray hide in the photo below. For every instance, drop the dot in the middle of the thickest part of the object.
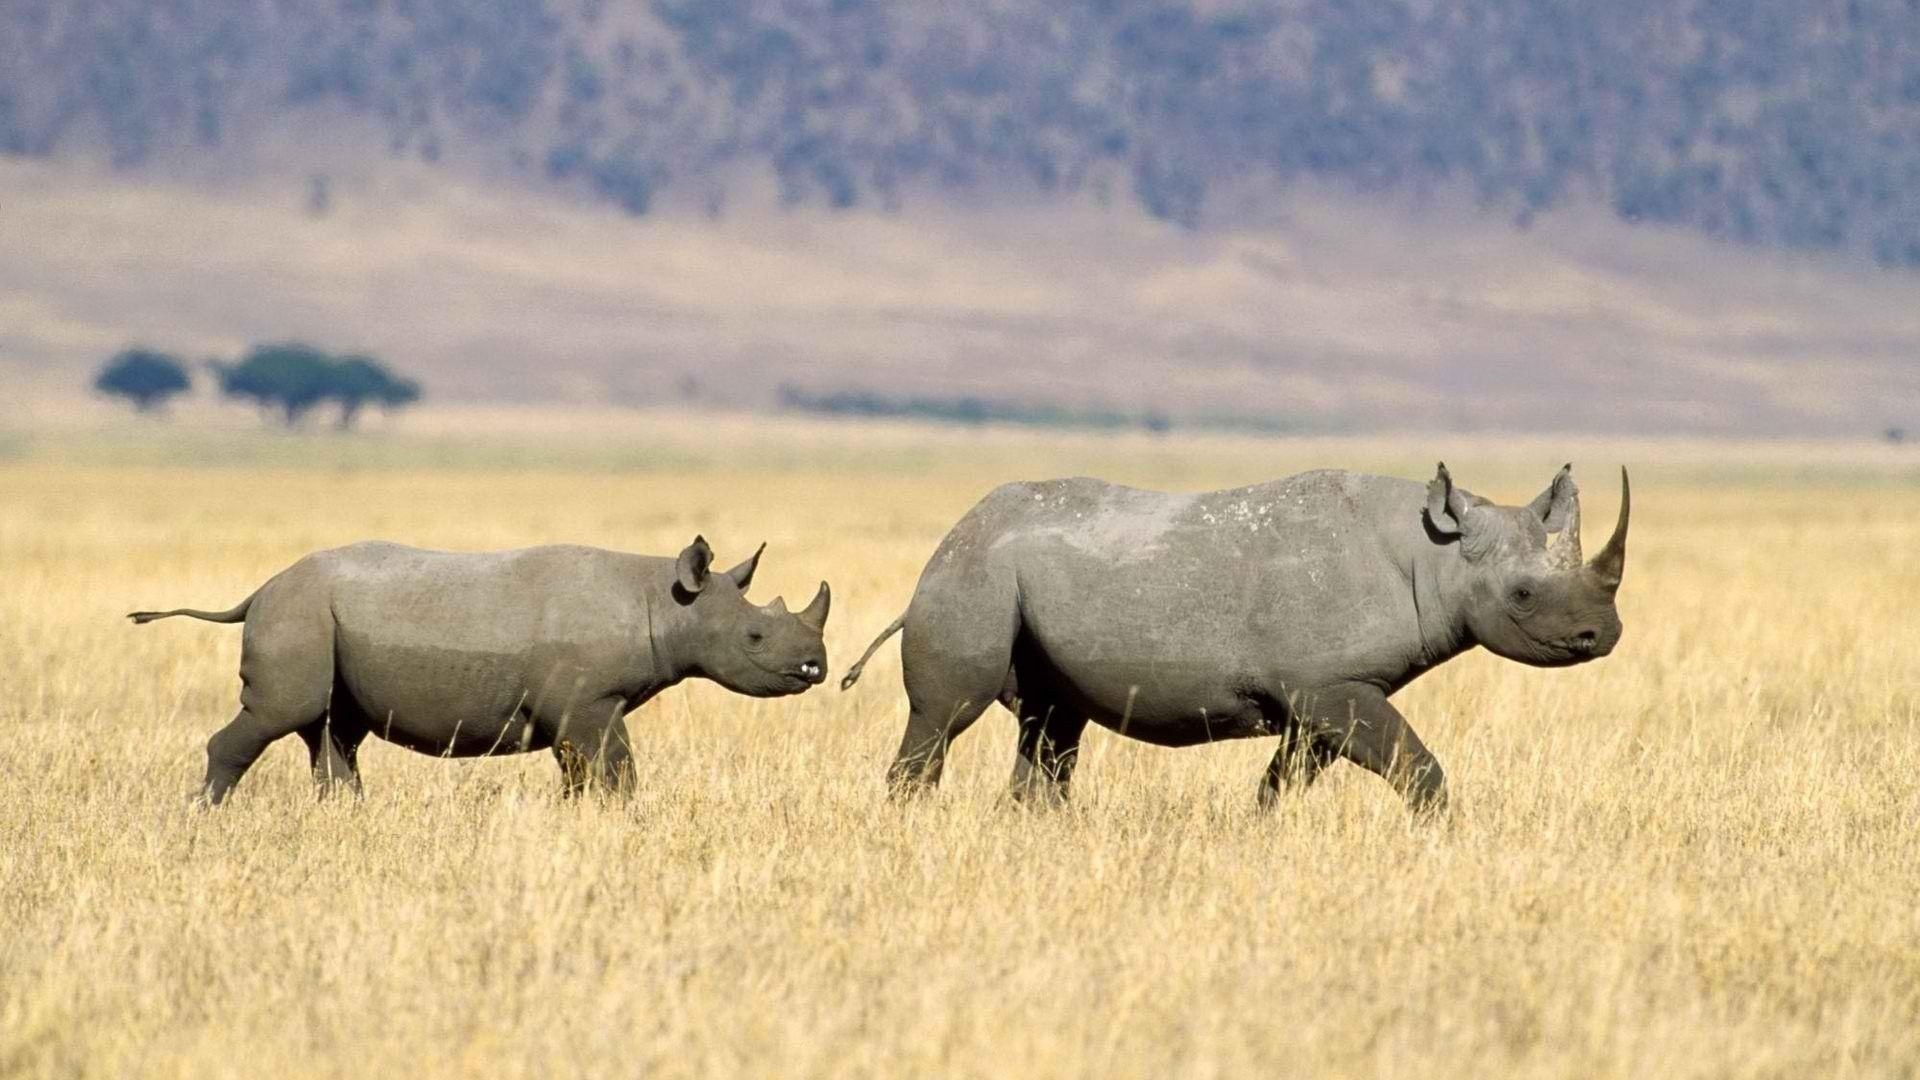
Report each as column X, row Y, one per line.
column 1290, row 608
column 467, row 655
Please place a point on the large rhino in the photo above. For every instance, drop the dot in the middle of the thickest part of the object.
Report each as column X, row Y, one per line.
column 466, row 655
column 1291, row 608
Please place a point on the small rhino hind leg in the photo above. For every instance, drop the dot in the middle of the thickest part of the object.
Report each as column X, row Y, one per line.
column 233, row 750
column 287, row 679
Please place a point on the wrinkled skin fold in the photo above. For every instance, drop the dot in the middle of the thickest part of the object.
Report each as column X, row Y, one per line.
column 1293, row 608
column 470, row 655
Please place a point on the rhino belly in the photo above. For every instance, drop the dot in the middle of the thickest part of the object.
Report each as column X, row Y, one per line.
column 1166, row 696
column 442, row 702
column 1158, row 652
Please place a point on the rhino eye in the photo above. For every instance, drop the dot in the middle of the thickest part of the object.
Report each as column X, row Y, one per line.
column 755, row 636
column 1522, row 594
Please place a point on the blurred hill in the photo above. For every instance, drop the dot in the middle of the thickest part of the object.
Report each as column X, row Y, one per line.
column 1779, row 122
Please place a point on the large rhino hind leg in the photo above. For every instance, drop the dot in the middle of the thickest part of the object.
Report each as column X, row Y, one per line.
column 955, row 660
column 1047, row 752
column 333, row 748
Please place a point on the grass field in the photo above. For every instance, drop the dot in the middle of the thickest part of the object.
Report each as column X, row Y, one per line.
column 1699, row 857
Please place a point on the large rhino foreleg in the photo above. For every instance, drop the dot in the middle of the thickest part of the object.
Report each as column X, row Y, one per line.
column 1296, row 764
column 1365, row 728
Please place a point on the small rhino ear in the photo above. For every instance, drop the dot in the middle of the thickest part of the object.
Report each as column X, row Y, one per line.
column 691, row 571
column 1559, row 505
column 1445, row 507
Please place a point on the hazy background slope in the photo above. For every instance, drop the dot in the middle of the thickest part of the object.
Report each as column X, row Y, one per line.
column 1341, row 315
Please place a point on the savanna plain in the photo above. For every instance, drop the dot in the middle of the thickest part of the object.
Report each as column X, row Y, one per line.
column 1697, row 857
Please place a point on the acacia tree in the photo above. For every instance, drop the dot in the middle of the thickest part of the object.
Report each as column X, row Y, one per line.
column 146, row 377
column 289, row 378
column 361, row 380
column 293, row 379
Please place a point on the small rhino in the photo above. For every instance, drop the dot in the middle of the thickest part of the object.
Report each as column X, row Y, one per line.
column 469, row 655
column 1291, row 608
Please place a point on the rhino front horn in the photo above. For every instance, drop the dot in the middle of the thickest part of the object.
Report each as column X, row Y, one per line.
column 1609, row 565
column 816, row 613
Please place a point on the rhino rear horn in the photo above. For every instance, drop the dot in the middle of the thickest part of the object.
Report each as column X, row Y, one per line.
column 815, row 614
column 1611, row 563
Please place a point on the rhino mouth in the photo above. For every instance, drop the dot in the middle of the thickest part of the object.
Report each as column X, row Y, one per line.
column 796, row 679
column 1579, row 649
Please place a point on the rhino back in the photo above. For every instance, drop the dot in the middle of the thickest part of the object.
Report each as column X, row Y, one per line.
column 433, row 639
column 1183, row 597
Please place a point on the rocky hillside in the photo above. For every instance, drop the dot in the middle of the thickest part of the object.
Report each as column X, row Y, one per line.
column 1777, row 122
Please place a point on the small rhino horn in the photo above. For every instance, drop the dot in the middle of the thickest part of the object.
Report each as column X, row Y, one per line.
column 816, row 613
column 1611, row 563
column 779, row 605
column 742, row 575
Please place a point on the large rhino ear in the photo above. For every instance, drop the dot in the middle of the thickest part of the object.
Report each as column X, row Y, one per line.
column 742, row 575
column 1559, row 505
column 1445, row 508
column 691, row 571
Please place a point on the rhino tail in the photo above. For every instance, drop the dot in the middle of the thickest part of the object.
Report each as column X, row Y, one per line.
column 237, row 613
column 853, row 673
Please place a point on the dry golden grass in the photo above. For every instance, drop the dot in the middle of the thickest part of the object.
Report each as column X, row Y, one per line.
column 1699, row 857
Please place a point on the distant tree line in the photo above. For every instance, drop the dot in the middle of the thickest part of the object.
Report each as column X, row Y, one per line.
column 967, row 409
column 288, row 380
column 1772, row 122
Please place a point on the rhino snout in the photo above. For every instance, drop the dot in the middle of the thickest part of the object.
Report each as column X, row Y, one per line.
column 814, row 671
column 1596, row 641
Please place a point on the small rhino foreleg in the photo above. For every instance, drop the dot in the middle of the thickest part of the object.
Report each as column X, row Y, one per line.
column 595, row 751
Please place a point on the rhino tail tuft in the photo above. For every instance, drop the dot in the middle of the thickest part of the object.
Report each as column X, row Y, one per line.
column 853, row 673
column 235, row 614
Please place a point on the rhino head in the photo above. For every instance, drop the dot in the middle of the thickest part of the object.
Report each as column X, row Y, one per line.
column 1528, row 595
column 759, row 651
